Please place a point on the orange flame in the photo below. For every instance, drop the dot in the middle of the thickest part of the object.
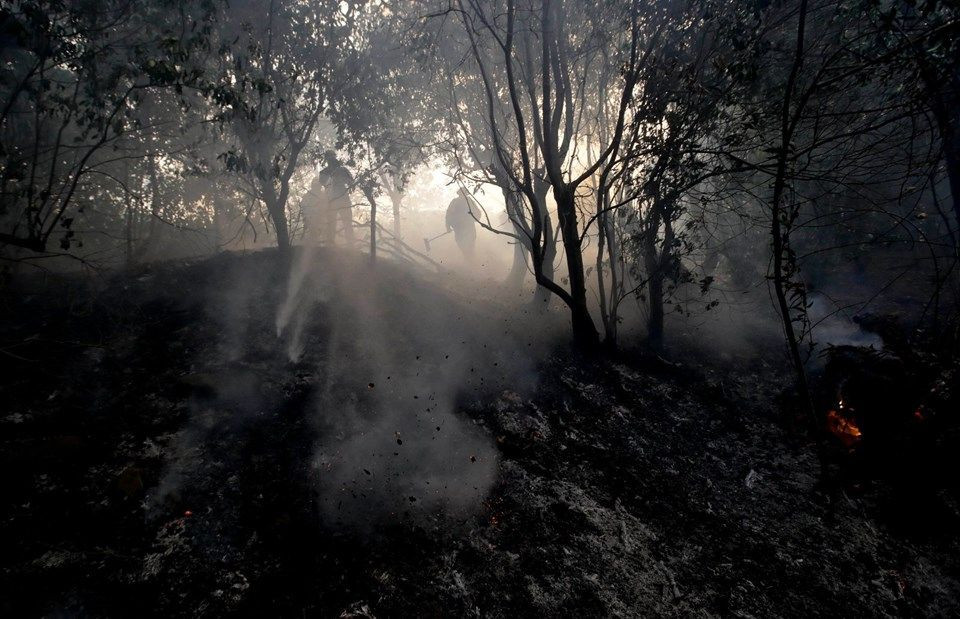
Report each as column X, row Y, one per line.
column 843, row 428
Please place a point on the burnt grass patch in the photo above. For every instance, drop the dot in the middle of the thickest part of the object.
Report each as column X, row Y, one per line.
column 158, row 461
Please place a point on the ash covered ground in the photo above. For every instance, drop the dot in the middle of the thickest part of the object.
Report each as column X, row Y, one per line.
column 222, row 438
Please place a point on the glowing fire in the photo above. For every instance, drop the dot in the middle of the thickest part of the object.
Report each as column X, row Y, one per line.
column 843, row 428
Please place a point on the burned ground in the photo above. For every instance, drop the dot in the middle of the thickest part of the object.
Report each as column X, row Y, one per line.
column 160, row 451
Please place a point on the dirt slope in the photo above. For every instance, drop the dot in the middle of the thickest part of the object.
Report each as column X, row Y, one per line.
column 165, row 456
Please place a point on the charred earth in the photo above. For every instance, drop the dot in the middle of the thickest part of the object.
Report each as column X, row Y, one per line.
column 166, row 453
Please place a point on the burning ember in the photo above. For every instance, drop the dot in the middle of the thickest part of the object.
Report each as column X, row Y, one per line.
column 843, row 428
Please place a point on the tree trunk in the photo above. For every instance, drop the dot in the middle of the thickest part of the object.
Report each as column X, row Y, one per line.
column 153, row 223
column 585, row 333
column 786, row 316
column 654, row 289
column 657, row 257
column 278, row 214
column 518, row 270
column 616, row 282
column 283, row 234
column 780, row 241
column 396, row 199
column 128, row 251
column 781, row 221
column 541, row 298
column 609, row 298
column 220, row 220
column 373, row 224
column 128, row 215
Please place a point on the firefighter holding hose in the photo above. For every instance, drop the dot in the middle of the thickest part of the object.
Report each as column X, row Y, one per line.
column 461, row 221
column 337, row 183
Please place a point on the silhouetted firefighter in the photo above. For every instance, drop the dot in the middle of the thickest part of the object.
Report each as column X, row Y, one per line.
column 318, row 217
column 461, row 221
column 338, row 210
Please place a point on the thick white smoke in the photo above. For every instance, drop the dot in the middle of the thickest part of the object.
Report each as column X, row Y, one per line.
column 395, row 358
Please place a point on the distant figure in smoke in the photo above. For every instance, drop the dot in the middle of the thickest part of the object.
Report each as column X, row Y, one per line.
column 460, row 219
column 337, row 181
column 318, row 217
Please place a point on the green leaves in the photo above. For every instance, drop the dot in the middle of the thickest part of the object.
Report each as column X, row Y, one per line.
column 74, row 87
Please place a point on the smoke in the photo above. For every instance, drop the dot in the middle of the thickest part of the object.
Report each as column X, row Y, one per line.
column 397, row 357
column 380, row 363
column 299, row 302
column 742, row 325
column 747, row 325
column 223, row 387
column 832, row 327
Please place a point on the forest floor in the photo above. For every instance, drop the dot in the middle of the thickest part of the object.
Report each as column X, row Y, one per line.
column 162, row 455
